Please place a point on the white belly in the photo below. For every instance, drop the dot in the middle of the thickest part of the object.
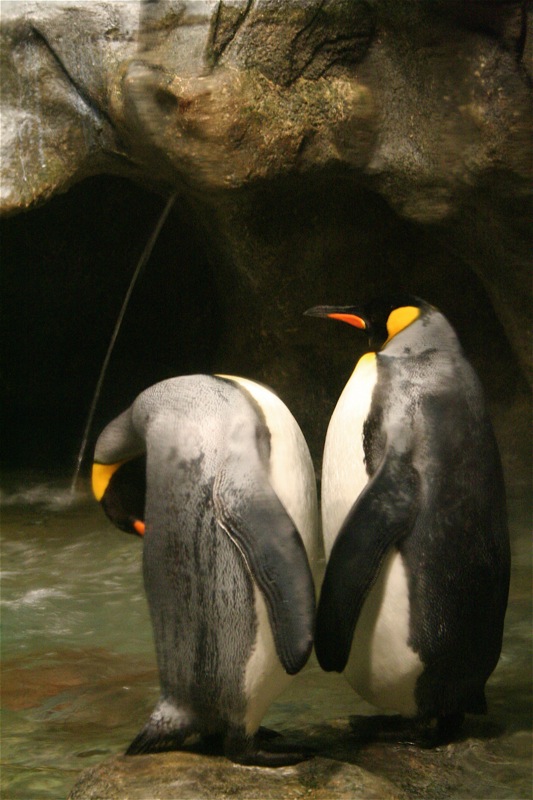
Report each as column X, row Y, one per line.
column 343, row 469
column 264, row 678
column 382, row 668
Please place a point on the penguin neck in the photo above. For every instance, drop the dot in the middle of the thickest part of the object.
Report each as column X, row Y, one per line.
column 432, row 331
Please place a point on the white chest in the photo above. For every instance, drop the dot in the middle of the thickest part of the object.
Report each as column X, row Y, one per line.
column 344, row 474
column 382, row 667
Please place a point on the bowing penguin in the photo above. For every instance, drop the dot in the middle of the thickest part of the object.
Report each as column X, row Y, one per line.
column 215, row 473
column 414, row 522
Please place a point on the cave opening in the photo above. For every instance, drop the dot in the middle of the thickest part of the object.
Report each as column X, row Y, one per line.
column 224, row 290
column 66, row 268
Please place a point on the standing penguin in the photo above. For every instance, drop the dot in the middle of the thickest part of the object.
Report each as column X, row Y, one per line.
column 414, row 521
column 226, row 501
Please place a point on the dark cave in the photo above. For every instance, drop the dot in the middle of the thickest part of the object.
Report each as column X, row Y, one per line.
column 67, row 266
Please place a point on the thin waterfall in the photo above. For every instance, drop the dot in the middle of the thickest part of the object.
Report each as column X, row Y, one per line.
column 145, row 255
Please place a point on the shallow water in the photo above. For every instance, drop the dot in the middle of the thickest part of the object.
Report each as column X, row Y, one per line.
column 79, row 673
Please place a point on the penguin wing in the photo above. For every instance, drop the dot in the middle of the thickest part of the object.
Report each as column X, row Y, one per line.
column 250, row 512
column 382, row 515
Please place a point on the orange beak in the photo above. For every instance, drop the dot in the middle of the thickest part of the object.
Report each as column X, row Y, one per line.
column 342, row 313
column 351, row 319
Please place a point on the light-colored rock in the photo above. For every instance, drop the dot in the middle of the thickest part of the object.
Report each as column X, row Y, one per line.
column 418, row 106
column 58, row 62
column 187, row 776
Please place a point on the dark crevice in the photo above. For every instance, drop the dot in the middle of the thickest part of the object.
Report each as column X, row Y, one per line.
column 216, row 50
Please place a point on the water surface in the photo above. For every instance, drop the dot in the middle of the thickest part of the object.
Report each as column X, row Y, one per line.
column 79, row 674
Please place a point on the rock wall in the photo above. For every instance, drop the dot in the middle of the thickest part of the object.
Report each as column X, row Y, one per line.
column 321, row 151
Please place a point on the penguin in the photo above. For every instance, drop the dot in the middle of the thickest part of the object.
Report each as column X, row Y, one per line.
column 215, row 475
column 412, row 606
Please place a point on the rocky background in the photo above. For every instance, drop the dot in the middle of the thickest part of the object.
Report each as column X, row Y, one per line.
column 320, row 152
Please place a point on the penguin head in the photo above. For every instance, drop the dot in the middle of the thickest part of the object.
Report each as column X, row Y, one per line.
column 381, row 318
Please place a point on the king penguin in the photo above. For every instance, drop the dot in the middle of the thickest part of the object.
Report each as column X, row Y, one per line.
column 215, row 474
column 414, row 522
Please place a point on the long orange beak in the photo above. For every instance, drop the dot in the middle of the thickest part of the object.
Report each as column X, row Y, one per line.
column 351, row 319
column 344, row 314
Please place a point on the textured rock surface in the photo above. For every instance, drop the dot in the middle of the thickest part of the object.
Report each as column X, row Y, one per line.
column 346, row 768
column 423, row 100
column 57, row 69
column 193, row 777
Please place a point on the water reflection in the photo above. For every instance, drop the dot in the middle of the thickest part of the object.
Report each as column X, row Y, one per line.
column 79, row 674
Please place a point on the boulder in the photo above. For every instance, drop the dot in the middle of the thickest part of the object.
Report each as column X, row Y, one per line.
column 189, row 776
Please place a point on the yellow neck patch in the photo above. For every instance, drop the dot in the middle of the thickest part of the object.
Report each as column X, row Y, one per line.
column 101, row 475
column 400, row 318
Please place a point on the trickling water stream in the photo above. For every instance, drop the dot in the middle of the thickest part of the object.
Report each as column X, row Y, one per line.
column 141, row 263
column 79, row 674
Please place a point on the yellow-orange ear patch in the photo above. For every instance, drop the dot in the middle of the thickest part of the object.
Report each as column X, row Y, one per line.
column 101, row 475
column 400, row 318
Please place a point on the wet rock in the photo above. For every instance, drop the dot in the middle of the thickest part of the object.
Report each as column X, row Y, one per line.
column 188, row 776
column 490, row 760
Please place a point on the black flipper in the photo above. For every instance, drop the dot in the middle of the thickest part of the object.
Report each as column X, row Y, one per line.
column 250, row 512
column 124, row 498
column 381, row 516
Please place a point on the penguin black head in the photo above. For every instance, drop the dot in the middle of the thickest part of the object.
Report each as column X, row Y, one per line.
column 381, row 318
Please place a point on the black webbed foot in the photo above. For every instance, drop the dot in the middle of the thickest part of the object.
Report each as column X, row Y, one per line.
column 246, row 750
column 167, row 729
column 395, row 728
column 267, row 734
column 152, row 741
column 448, row 729
column 383, row 727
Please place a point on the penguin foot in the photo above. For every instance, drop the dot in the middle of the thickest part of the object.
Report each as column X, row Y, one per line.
column 267, row 734
column 153, row 741
column 443, row 730
column 383, row 727
column 246, row 751
column 447, row 729
column 211, row 744
column 167, row 729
